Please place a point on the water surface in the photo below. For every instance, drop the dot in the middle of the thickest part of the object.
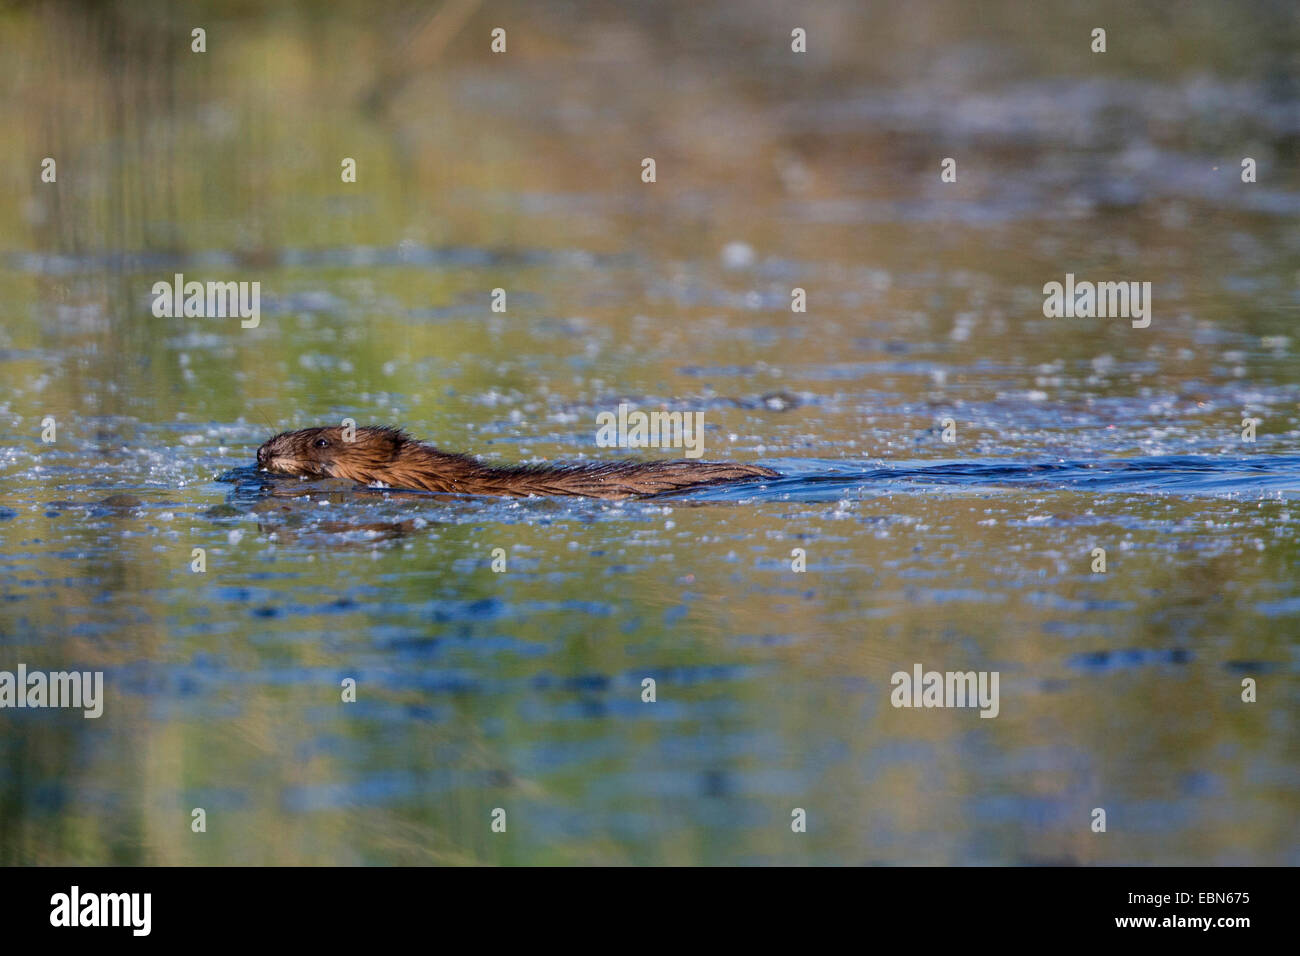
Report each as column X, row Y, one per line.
column 522, row 689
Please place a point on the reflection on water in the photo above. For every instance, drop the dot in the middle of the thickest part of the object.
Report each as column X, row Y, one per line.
column 522, row 689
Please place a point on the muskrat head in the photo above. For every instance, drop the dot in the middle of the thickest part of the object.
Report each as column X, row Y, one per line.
column 332, row 452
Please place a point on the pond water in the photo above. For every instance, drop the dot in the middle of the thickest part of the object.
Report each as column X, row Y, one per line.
column 522, row 688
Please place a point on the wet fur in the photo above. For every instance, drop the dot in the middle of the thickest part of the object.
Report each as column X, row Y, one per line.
column 388, row 456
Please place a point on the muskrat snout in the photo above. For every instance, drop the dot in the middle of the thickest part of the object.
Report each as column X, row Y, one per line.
column 288, row 454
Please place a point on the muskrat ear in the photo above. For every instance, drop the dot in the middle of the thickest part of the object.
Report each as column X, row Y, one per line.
column 387, row 439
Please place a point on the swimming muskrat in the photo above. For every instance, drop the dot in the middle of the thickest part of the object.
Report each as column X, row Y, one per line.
column 388, row 456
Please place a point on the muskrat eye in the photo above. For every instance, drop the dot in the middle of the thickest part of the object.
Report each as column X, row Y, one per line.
column 321, row 443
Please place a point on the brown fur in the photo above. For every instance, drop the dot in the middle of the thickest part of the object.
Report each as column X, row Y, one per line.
column 379, row 454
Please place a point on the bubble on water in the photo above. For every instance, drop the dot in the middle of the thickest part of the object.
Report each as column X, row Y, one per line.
column 737, row 255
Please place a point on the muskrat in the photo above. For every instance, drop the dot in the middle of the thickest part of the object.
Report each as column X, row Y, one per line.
column 381, row 455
